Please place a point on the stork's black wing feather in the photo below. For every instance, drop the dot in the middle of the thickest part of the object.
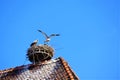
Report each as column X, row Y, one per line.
column 54, row 35
column 43, row 33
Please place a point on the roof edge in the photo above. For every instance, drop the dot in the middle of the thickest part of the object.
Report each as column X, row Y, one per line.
column 69, row 71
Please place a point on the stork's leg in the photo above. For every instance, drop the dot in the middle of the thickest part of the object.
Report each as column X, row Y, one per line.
column 45, row 43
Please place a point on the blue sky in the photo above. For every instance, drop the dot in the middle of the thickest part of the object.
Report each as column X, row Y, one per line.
column 89, row 31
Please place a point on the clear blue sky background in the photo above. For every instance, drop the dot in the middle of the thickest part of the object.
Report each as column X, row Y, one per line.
column 89, row 31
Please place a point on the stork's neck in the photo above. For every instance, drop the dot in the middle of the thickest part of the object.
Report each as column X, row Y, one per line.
column 48, row 39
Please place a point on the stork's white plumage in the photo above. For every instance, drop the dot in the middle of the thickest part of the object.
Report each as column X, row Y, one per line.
column 48, row 37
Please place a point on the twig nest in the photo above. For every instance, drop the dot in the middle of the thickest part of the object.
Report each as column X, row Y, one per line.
column 40, row 53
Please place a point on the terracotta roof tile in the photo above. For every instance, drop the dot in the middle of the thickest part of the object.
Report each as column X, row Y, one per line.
column 57, row 69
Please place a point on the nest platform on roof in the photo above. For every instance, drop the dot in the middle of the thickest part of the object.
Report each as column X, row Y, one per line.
column 40, row 53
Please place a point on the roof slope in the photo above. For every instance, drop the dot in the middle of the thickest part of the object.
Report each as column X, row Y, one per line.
column 57, row 69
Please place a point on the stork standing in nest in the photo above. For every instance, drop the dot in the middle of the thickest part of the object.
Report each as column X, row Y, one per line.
column 48, row 37
column 34, row 43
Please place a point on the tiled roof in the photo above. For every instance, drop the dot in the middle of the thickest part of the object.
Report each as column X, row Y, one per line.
column 57, row 69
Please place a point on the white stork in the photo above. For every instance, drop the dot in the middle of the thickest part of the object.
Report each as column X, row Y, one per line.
column 34, row 43
column 48, row 37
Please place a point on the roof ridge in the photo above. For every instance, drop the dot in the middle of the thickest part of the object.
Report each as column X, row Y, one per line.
column 68, row 69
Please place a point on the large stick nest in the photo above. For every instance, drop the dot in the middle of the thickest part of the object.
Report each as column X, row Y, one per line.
column 40, row 53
